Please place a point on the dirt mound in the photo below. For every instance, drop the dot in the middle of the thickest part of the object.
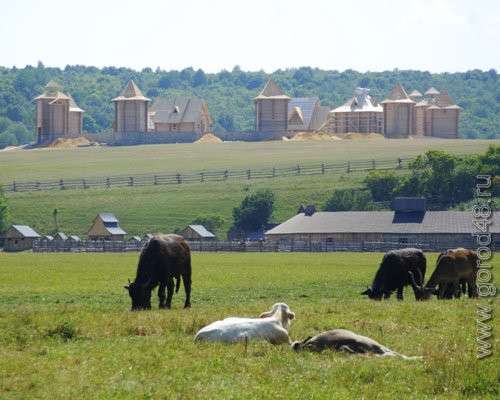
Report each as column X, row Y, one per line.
column 209, row 138
column 356, row 136
column 69, row 143
column 315, row 136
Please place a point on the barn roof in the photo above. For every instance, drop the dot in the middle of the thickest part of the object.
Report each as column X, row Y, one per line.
column 202, row 231
column 450, row 222
column 61, row 235
column 271, row 91
column 75, row 238
column 131, row 92
column 115, row 230
column 26, row 231
column 177, row 109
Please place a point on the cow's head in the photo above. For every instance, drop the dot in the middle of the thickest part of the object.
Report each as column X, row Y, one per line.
column 140, row 295
column 282, row 312
column 373, row 293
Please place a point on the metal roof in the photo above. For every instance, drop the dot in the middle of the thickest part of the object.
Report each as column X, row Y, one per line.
column 26, row 231
column 115, row 230
column 75, row 238
column 61, row 235
column 107, row 217
column 382, row 222
column 271, row 91
column 202, row 231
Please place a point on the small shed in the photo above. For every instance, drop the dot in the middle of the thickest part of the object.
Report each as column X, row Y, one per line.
column 197, row 232
column 61, row 236
column 135, row 239
column 106, row 227
column 19, row 238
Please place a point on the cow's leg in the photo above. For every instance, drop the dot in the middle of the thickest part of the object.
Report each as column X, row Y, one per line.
column 161, row 294
column 186, row 279
column 399, row 294
column 170, row 291
column 472, row 289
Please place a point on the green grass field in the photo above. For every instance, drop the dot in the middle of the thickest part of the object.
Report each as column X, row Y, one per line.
column 66, row 332
column 164, row 208
column 50, row 164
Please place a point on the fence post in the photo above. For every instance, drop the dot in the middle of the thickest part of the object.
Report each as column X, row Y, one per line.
column 61, row 184
column 131, row 181
column 37, row 186
column 108, row 183
column 202, row 177
column 84, row 184
column 322, row 168
column 155, row 180
column 399, row 163
column 373, row 164
column 226, row 174
column 274, row 172
column 179, row 178
column 14, row 188
column 298, row 169
column 249, row 174
column 348, row 166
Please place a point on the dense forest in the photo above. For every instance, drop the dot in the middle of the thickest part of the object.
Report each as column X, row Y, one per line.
column 229, row 93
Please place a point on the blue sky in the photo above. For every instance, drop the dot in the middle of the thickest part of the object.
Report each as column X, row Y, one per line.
column 434, row 35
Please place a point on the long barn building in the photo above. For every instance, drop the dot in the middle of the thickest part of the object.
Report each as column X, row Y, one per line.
column 409, row 223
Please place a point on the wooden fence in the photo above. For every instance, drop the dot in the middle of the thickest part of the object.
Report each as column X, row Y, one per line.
column 91, row 246
column 207, row 176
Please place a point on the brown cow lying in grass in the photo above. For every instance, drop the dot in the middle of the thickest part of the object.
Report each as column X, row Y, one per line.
column 453, row 267
column 344, row 340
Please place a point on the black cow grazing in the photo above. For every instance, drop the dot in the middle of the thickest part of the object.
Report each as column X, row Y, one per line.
column 344, row 340
column 162, row 259
column 393, row 273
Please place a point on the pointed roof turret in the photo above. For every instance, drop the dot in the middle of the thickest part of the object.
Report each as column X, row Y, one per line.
column 53, row 92
column 272, row 91
column 397, row 95
column 131, row 92
column 432, row 92
column 415, row 93
column 73, row 107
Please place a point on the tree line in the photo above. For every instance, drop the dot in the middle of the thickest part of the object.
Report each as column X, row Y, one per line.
column 229, row 93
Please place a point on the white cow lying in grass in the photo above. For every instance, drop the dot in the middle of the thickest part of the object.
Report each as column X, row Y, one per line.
column 271, row 326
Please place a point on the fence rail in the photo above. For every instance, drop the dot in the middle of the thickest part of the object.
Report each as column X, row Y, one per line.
column 90, row 246
column 221, row 175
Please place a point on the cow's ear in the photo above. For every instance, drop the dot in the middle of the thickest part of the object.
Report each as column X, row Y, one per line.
column 126, row 287
column 366, row 292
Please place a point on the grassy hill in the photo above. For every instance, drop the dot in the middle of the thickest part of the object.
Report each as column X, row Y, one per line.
column 164, row 208
column 66, row 332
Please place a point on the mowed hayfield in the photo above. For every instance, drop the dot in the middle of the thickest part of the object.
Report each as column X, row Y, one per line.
column 43, row 164
column 66, row 332
column 165, row 208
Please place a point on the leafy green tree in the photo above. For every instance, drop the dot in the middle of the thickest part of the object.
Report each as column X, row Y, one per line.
column 349, row 200
column 382, row 184
column 254, row 211
column 199, row 78
column 212, row 222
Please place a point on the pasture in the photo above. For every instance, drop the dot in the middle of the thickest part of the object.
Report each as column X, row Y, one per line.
column 66, row 332
column 164, row 208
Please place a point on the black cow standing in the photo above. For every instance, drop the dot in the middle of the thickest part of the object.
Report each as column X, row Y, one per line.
column 393, row 273
column 162, row 259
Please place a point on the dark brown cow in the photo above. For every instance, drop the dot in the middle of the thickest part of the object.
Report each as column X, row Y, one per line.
column 163, row 258
column 453, row 268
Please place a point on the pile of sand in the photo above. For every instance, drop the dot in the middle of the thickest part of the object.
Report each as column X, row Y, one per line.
column 356, row 136
column 69, row 143
column 315, row 136
column 209, row 138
